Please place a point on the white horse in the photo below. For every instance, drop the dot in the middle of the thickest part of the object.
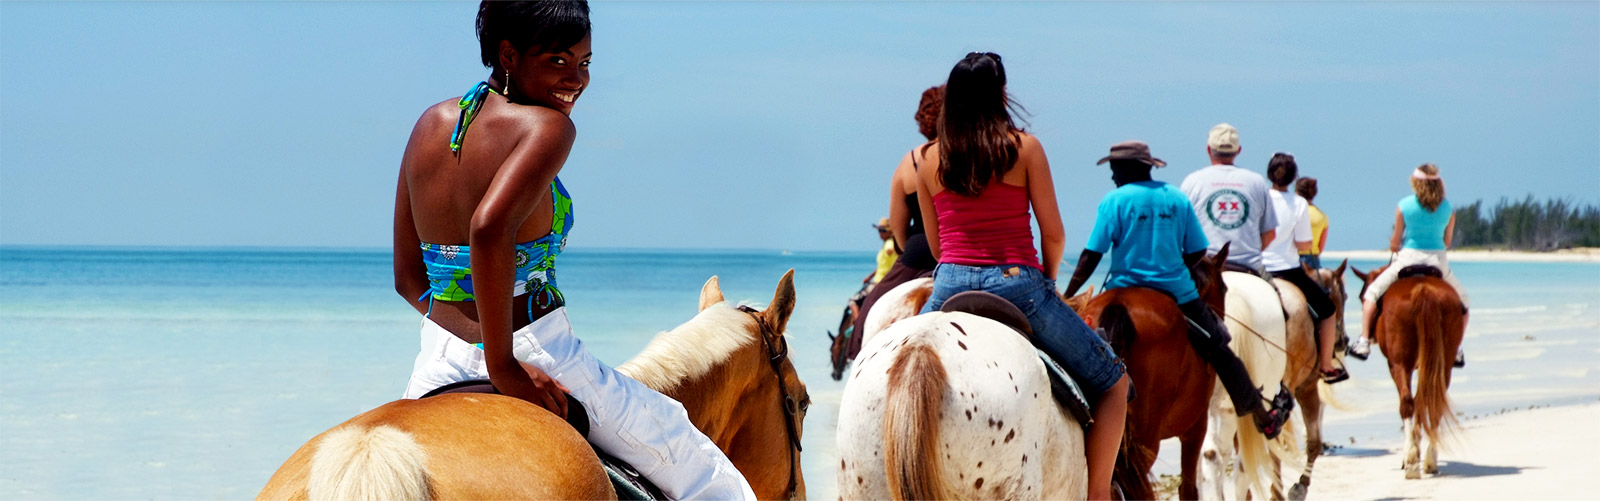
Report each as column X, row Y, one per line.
column 953, row 405
column 1255, row 321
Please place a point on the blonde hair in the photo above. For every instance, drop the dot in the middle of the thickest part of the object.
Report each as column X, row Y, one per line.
column 1430, row 190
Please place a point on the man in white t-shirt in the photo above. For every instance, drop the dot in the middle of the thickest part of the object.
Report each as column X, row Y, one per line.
column 1281, row 258
column 1232, row 203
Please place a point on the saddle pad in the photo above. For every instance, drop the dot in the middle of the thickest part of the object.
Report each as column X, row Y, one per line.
column 1066, row 392
column 627, row 481
column 1420, row 270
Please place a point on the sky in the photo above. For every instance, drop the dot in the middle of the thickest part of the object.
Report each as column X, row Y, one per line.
column 745, row 125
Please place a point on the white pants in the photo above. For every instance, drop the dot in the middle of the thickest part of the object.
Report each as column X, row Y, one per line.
column 648, row 430
column 1408, row 257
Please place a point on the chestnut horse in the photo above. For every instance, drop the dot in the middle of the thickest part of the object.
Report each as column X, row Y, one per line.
column 1419, row 330
column 1149, row 332
column 1311, row 394
column 720, row 365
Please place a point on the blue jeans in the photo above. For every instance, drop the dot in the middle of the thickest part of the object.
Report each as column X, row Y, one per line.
column 1057, row 330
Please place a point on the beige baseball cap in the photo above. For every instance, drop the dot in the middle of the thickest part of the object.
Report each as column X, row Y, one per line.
column 883, row 224
column 1224, row 139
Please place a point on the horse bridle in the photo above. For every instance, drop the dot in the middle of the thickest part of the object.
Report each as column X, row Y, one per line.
column 791, row 408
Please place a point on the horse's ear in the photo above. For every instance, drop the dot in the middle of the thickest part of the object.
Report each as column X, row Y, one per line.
column 710, row 293
column 1360, row 274
column 777, row 312
column 1222, row 254
column 1339, row 272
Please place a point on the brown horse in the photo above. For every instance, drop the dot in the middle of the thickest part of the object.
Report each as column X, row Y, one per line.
column 1150, row 334
column 1302, row 375
column 1419, row 330
column 728, row 367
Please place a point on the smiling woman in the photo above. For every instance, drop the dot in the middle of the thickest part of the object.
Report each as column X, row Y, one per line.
column 480, row 217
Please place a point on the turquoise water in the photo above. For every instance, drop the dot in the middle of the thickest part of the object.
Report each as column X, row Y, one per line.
column 158, row 373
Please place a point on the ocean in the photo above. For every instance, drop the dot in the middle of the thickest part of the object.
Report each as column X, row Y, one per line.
column 193, row 373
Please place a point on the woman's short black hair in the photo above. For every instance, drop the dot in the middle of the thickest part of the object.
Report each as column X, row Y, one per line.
column 1282, row 170
column 552, row 26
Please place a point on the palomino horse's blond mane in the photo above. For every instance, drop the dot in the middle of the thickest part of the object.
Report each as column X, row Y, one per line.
column 691, row 350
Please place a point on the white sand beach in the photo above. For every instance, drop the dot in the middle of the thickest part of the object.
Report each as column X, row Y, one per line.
column 1543, row 453
column 1576, row 255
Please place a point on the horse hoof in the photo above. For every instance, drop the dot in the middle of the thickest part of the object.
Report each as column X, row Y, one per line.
column 1297, row 492
column 1431, row 469
column 1412, row 473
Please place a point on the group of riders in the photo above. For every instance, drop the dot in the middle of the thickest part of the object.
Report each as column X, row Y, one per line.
column 480, row 217
column 966, row 223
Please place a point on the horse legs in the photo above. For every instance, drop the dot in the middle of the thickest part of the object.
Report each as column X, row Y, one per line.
column 1217, row 448
column 1430, row 462
column 1310, row 401
column 1402, row 383
column 1188, row 485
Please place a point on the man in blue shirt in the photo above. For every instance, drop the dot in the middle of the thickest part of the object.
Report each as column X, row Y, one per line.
column 1153, row 235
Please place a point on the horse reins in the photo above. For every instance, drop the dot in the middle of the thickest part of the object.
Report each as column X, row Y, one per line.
column 790, row 408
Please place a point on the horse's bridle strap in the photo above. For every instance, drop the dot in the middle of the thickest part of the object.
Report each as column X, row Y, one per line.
column 790, row 407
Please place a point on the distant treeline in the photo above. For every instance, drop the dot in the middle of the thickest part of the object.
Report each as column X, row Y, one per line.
column 1527, row 225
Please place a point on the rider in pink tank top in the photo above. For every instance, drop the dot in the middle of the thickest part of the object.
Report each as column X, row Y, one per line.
column 989, row 229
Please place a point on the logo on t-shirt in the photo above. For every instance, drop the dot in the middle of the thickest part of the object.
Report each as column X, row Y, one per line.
column 1228, row 209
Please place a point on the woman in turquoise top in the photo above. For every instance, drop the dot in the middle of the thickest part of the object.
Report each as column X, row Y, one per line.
column 479, row 220
column 1423, row 226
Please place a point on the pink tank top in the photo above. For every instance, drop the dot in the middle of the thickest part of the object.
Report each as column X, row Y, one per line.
column 987, row 230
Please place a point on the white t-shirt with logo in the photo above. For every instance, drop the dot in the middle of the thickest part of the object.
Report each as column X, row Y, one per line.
column 1294, row 226
column 1233, row 206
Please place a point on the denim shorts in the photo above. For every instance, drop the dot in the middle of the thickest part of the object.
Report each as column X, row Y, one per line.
column 1057, row 329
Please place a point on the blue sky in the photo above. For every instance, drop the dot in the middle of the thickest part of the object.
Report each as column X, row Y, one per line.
column 767, row 125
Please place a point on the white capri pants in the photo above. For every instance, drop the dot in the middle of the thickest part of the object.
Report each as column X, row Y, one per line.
column 1408, row 257
column 648, row 430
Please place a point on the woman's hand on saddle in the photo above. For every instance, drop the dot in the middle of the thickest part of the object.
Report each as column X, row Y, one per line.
column 534, row 385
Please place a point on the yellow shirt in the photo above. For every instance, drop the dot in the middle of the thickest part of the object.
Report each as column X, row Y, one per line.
column 1319, row 223
column 886, row 259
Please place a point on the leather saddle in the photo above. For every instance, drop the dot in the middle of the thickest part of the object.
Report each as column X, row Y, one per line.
column 1066, row 391
column 627, row 481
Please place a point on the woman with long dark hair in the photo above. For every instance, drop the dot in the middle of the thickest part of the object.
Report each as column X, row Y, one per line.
column 480, row 217
column 985, row 174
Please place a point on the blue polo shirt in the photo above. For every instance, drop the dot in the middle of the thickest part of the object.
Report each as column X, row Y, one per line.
column 1147, row 227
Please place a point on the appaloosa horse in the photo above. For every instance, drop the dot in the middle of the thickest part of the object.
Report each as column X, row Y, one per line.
column 955, row 406
column 1419, row 330
column 1146, row 328
column 727, row 366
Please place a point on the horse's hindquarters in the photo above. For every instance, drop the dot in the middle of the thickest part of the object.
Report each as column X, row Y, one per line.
column 1000, row 433
column 471, row 447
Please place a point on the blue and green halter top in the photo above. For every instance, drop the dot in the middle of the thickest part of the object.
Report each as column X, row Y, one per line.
column 450, row 266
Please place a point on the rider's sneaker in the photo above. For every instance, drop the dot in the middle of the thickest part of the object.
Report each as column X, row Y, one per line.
column 1270, row 419
column 1360, row 348
column 1461, row 358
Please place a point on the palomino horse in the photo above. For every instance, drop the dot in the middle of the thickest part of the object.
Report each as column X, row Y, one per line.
column 1302, row 375
column 1255, row 321
column 926, row 415
column 1148, row 331
column 728, row 367
column 1420, row 329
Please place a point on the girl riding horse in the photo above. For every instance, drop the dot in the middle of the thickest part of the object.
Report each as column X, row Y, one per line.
column 480, row 216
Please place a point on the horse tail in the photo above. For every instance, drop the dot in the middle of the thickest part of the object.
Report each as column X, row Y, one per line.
column 356, row 462
column 1433, row 361
column 1129, row 474
column 1133, row 460
column 1119, row 327
column 911, row 458
column 1325, row 392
